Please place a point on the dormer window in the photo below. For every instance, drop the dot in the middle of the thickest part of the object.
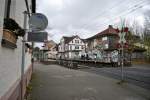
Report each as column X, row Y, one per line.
column 76, row 41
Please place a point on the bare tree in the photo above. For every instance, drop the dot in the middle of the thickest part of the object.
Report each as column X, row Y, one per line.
column 146, row 33
column 133, row 36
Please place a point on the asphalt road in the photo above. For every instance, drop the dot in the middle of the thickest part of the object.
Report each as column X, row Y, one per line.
column 135, row 75
column 54, row 82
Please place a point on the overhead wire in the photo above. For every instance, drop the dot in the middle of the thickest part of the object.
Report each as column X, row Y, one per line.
column 104, row 11
column 133, row 8
column 127, row 13
column 109, row 9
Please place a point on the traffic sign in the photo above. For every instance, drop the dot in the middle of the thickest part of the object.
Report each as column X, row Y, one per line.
column 122, row 37
column 38, row 22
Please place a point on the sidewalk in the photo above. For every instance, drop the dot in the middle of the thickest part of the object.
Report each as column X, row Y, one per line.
column 53, row 82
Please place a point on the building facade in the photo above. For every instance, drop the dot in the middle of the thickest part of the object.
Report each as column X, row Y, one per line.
column 11, row 12
column 105, row 46
column 71, row 47
column 102, row 46
column 51, row 49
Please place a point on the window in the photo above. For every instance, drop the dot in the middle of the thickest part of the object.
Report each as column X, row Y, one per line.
column 66, row 47
column 104, row 38
column 76, row 41
column 106, row 46
column 82, row 47
column 76, row 47
column 70, row 47
column 76, row 53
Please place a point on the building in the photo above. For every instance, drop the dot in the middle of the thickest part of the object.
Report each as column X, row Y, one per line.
column 105, row 46
column 102, row 45
column 51, row 49
column 11, row 32
column 36, row 53
column 71, row 47
column 138, row 49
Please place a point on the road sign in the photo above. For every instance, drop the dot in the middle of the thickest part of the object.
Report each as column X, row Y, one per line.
column 38, row 22
column 37, row 36
column 122, row 37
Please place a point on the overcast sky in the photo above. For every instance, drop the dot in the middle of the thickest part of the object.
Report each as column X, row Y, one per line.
column 88, row 17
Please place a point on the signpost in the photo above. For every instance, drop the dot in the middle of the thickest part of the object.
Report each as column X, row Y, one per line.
column 37, row 23
column 122, row 41
column 122, row 37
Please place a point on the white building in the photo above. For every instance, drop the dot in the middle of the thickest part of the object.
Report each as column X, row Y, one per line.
column 11, row 50
column 71, row 47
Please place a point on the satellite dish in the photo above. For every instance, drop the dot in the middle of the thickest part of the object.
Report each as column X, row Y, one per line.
column 38, row 22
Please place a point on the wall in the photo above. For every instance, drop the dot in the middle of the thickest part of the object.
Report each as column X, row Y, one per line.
column 10, row 59
column 2, row 7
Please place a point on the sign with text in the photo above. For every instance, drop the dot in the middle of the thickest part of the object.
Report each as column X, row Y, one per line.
column 37, row 36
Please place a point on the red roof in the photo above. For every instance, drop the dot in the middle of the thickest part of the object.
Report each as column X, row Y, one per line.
column 109, row 31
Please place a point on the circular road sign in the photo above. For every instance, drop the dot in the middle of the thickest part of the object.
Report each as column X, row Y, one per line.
column 38, row 22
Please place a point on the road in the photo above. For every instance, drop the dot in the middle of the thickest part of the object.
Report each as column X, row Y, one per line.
column 54, row 82
column 136, row 75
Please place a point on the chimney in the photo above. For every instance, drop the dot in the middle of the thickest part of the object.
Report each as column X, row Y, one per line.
column 110, row 26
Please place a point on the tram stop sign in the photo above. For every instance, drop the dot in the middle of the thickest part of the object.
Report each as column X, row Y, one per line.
column 38, row 22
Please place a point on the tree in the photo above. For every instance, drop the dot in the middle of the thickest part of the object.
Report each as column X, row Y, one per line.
column 146, row 33
column 132, row 38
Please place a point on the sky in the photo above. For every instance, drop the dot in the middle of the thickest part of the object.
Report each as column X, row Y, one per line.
column 88, row 17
